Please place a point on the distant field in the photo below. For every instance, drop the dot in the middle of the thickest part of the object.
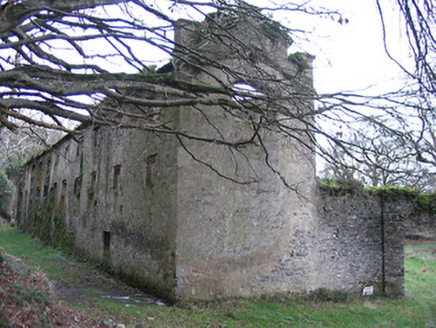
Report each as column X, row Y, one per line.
column 73, row 280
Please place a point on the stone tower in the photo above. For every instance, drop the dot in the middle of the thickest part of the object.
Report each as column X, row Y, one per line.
column 251, row 237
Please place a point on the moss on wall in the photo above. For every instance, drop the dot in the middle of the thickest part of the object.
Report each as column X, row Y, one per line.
column 422, row 201
column 6, row 191
column 300, row 59
column 51, row 227
column 333, row 187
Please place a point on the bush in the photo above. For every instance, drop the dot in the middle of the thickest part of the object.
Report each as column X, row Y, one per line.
column 340, row 187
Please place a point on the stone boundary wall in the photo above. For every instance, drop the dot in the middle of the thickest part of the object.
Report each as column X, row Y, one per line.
column 361, row 240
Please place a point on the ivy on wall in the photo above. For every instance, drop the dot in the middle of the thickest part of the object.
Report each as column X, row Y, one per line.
column 6, row 190
column 423, row 201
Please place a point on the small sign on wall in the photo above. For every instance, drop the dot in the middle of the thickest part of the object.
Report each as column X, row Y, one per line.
column 368, row 290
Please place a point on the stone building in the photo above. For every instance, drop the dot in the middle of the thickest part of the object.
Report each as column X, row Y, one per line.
column 192, row 220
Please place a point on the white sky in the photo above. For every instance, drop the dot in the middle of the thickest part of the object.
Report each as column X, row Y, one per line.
column 351, row 57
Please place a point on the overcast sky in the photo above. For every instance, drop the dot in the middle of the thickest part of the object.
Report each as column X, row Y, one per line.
column 351, row 56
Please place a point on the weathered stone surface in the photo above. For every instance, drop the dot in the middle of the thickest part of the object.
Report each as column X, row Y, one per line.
column 150, row 208
column 99, row 191
column 360, row 240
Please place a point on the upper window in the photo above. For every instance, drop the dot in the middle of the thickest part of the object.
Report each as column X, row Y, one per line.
column 117, row 177
column 245, row 92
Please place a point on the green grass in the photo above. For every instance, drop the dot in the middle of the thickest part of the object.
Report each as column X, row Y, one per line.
column 53, row 262
column 420, row 278
column 417, row 309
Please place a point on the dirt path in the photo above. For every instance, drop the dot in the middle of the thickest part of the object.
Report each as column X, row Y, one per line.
column 76, row 283
column 84, row 285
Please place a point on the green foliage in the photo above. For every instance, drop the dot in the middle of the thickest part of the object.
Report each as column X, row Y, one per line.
column 226, row 102
column 425, row 201
column 13, row 167
column 420, row 267
column 334, row 187
column 91, row 192
column 18, row 290
column 150, row 69
column 27, row 301
column 300, row 59
column 35, row 155
column 329, row 309
column 276, row 31
column 16, row 10
column 393, row 192
column 51, row 227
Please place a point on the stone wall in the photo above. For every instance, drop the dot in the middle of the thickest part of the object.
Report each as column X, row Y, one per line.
column 193, row 220
column 349, row 242
column 173, row 227
column 110, row 195
column 360, row 239
column 248, row 236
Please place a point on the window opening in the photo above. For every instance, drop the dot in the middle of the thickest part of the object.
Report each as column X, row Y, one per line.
column 93, row 180
column 95, row 135
column 245, row 92
column 150, row 169
column 67, row 149
column 78, row 149
column 117, row 175
column 77, row 186
column 106, row 244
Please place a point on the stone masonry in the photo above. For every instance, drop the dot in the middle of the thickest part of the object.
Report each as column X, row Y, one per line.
column 148, row 208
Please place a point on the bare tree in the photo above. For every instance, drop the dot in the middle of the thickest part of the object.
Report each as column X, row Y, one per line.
column 60, row 59
column 83, row 60
column 395, row 144
column 36, row 74
column 387, row 164
column 417, row 98
column 15, row 148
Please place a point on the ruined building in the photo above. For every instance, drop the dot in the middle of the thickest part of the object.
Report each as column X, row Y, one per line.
column 192, row 220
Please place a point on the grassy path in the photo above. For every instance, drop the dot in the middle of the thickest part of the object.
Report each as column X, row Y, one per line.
column 420, row 278
column 101, row 297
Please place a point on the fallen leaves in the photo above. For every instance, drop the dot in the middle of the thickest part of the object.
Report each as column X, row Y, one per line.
column 29, row 301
